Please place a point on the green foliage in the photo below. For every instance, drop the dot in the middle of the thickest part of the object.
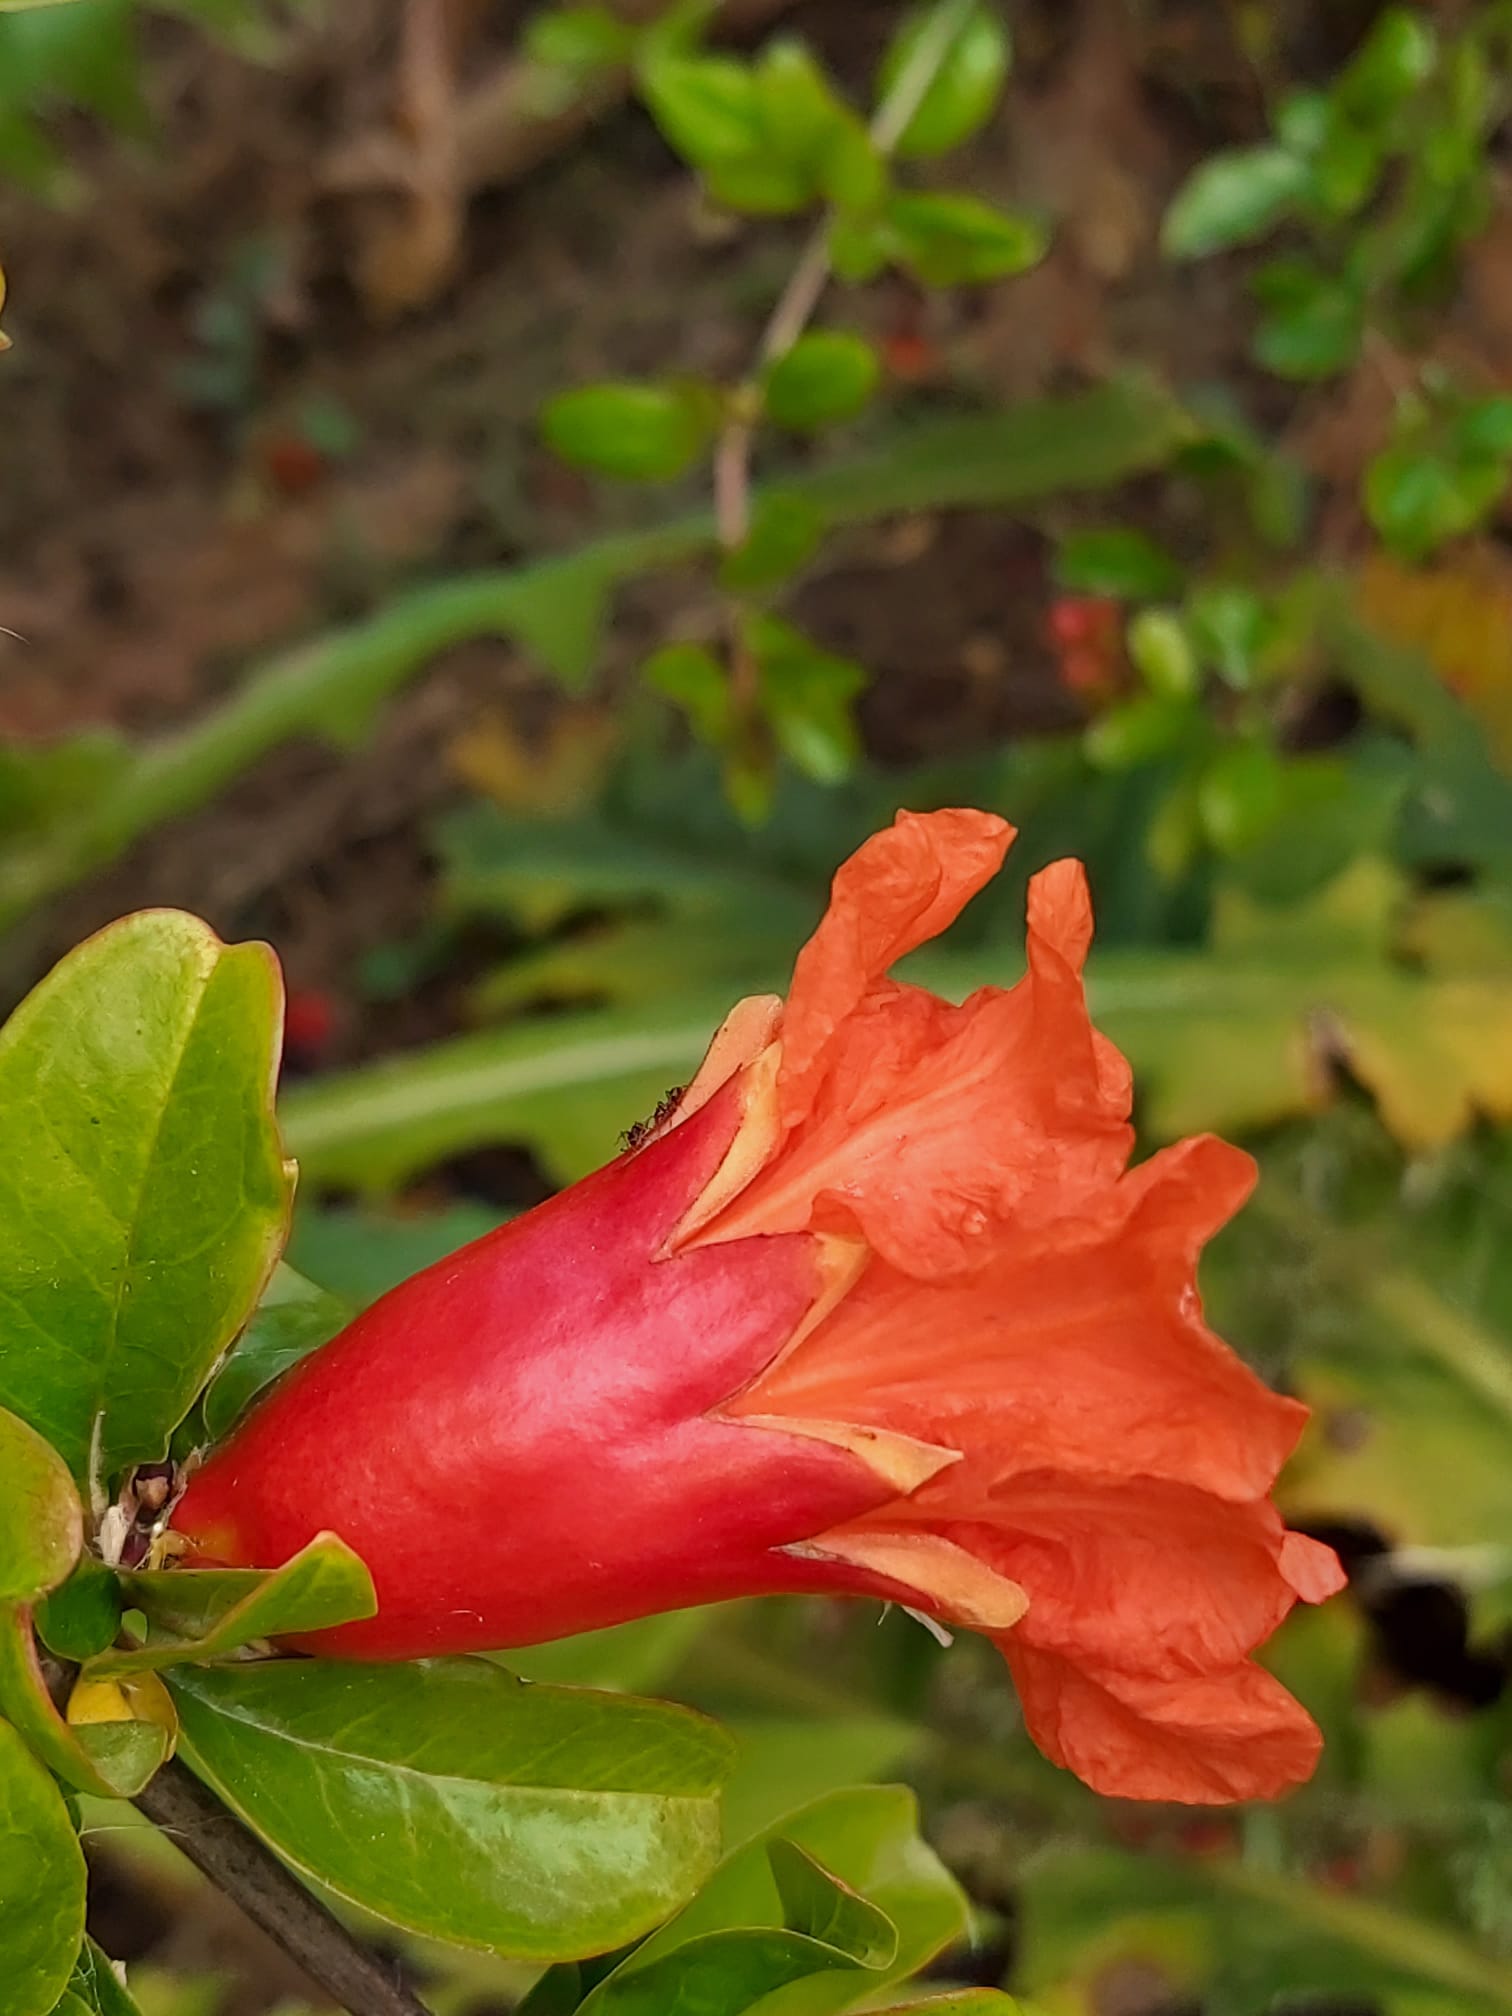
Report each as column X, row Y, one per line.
column 826, row 376
column 138, row 1078
column 1443, row 473
column 454, row 1800
column 964, row 91
column 41, row 1883
column 293, row 1317
column 644, row 432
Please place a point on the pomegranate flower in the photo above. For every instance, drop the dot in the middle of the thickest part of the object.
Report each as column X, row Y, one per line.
column 878, row 1309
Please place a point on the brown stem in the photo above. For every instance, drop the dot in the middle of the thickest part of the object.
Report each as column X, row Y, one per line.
column 221, row 1848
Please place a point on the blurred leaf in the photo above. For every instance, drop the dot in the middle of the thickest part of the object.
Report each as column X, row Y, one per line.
column 1161, row 652
column 41, row 784
column 706, row 106
column 292, row 1319
column 213, row 1612
column 1236, row 1036
column 1459, row 615
column 808, row 697
column 1396, row 57
column 633, row 1658
column 640, row 432
column 1239, row 1935
column 969, row 2002
column 1135, row 733
column 42, row 1523
column 359, row 1254
column 1418, row 499
column 1241, row 795
column 1125, row 564
column 454, row 1800
column 1232, row 199
column 827, row 375
column 966, row 85
column 41, row 1883
column 697, row 684
column 138, row 1080
column 958, row 240
column 1313, row 321
column 784, row 1764
column 1227, row 626
column 581, row 39
column 785, row 534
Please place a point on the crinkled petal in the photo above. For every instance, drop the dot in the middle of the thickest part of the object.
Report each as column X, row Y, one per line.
column 1201, row 1741
column 1081, row 1349
column 899, row 889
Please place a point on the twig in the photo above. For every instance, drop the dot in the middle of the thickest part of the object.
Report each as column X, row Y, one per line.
column 805, row 288
column 237, row 1862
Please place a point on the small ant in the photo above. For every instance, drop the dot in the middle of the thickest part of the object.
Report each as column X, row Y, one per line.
column 637, row 1136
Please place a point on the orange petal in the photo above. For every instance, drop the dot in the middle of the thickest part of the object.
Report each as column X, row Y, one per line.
column 1202, row 1741
column 1080, row 1349
column 899, row 889
column 744, row 1033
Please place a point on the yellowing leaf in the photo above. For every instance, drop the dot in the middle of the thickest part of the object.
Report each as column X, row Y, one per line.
column 1246, row 1031
column 1459, row 616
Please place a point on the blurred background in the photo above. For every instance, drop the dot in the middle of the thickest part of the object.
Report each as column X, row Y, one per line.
column 413, row 551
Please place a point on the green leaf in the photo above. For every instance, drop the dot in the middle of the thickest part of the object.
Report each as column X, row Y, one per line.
column 1484, row 428
column 785, row 535
column 212, row 1612
column 42, row 784
column 1233, row 198
column 1128, row 565
column 783, row 1764
column 1227, row 625
column 707, row 107
column 1418, row 500
column 1161, row 653
column 458, row 1802
column 826, row 1929
column 1395, row 59
column 808, row 696
column 1240, row 795
column 827, row 375
column 634, row 1658
column 112, row 1753
column 82, row 1616
column 969, row 2002
column 41, row 1519
column 645, row 433
column 1313, row 324
column 1140, row 731
column 694, row 680
column 957, row 240
column 142, row 1179
column 580, row 39
column 293, row 1319
column 966, row 85
column 41, row 1883
column 867, row 1838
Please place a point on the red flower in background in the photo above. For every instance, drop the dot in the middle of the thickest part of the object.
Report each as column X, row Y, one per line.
column 879, row 1309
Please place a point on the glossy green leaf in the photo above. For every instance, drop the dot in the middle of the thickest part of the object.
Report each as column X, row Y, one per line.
column 1232, row 199
column 866, row 1837
column 958, row 240
column 112, row 1758
column 41, row 1883
column 828, row 375
column 1126, row 564
column 640, row 432
column 214, row 1611
column 293, row 1319
column 454, row 1800
column 41, row 1519
column 83, row 1615
column 142, row 1178
column 967, row 83
column 826, row 1930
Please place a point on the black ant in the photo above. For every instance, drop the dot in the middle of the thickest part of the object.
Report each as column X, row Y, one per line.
column 636, row 1136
